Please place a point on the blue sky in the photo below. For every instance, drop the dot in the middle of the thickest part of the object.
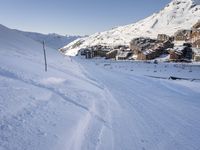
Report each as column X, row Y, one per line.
column 75, row 17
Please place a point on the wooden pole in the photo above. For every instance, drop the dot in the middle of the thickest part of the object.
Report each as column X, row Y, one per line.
column 45, row 57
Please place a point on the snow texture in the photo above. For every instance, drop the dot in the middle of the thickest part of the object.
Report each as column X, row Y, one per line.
column 85, row 105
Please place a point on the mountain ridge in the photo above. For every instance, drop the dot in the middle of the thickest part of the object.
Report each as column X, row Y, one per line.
column 52, row 40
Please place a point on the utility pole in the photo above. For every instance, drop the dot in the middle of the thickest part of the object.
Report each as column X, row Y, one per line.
column 45, row 57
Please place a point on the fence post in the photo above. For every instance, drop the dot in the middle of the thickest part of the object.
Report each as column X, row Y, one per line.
column 45, row 58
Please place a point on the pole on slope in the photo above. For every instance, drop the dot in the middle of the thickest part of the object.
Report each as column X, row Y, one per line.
column 45, row 57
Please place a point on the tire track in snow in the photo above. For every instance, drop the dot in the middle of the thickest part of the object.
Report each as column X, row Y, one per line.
column 111, row 103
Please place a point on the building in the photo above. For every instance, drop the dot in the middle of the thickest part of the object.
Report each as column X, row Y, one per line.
column 124, row 54
column 146, row 55
column 100, row 52
column 195, row 36
column 112, row 54
column 150, row 54
column 89, row 54
column 163, row 37
column 182, row 35
column 138, row 45
column 95, row 51
column 175, row 55
column 196, row 44
column 147, row 49
column 196, row 54
column 181, row 52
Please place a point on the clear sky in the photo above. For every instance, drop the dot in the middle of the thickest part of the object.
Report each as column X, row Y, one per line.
column 74, row 17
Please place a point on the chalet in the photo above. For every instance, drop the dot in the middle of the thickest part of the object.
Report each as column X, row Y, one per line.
column 138, row 45
column 189, row 53
column 182, row 35
column 95, row 51
column 176, row 55
column 181, row 52
column 167, row 44
column 195, row 35
column 88, row 53
column 147, row 49
column 152, row 53
column 196, row 44
column 196, row 54
column 163, row 37
column 112, row 54
column 123, row 54
column 146, row 55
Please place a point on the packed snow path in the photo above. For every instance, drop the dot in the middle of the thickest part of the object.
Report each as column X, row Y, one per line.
column 150, row 113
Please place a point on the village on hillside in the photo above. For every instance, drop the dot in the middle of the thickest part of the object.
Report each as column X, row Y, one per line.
column 183, row 46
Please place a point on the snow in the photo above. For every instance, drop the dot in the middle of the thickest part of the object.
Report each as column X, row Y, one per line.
column 52, row 40
column 150, row 113
column 178, row 14
column 93, row 104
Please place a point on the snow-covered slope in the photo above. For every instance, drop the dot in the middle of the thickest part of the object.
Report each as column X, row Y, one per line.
column 92, row 105
column 53, row 40
column 44, row 110
column 178, row 14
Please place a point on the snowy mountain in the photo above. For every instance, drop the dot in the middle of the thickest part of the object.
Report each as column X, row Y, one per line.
column 178, row 14
column 52, row 40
